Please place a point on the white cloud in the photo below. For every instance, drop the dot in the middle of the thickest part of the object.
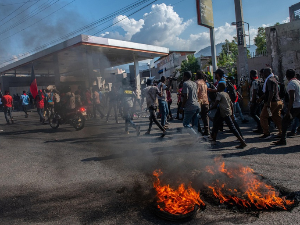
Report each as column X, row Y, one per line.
column 162, row 26
column 287, row 20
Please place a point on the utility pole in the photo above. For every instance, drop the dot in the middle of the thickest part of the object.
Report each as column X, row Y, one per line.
column 242, row 68
column 213, row 51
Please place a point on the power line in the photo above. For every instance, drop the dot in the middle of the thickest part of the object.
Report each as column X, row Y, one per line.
column 95, row 23
column 39, row 20
column 14, row 11
column 20, row 13
column 35, row 12
column 16, row 3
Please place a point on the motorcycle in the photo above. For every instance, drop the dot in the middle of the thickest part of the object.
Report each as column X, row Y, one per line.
column 75, row 118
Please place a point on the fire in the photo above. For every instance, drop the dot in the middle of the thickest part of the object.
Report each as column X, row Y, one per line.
column 252, row 192
column 180, row 201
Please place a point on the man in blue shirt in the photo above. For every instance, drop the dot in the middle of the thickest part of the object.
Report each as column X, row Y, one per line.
column 25, row 102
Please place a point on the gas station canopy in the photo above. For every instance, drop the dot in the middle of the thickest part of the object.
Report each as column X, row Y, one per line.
column 83, row 53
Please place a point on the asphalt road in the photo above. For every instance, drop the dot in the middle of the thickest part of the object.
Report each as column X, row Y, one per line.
column 100, row 175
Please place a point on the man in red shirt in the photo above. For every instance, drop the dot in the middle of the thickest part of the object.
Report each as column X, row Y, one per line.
column 39, row 99
column 7, row 106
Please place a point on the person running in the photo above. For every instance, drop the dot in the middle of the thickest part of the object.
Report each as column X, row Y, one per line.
column 128, row 98
column 272, row 106
column 293, row 109
column 7, row 101
column 25, row 102
column 190, row 103
column 203, row 101
column 151, row 92
column 226, row 114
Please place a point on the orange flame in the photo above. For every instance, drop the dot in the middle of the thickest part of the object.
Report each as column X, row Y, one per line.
column 180, row 201
column 252, row 191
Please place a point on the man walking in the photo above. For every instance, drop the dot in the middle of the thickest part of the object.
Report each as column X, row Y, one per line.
column 25, row 102
column 7, row 101
column 254, row 95
column 163, row 105
column 40, row 103
column 190, row 102
column 128, row 97
column 203, row 101
column 272, row 106
column 151, row 92
column 293, row 109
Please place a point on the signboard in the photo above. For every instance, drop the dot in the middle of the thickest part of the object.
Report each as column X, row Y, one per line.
column 240, row 36
column 205, row 13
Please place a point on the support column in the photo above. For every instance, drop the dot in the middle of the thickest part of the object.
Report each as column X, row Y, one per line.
column 213, row 51
column 56, row 70
column 137, row 77
column 242, row 69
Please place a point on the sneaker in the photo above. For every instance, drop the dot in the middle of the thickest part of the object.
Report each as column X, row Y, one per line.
column 245, row 121
column 164, row 134
column 241, row 146
column 280, row 142
column 291, row 134
column 265, row 136
column 138, row 130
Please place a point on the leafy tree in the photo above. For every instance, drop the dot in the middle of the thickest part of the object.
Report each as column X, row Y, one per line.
column 261, row 41
column 191, row 64
column 228, row 57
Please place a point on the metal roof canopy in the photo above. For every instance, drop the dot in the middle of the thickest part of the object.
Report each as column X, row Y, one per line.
column 72, row 56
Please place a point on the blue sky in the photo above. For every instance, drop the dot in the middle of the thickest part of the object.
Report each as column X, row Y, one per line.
column 168, row 23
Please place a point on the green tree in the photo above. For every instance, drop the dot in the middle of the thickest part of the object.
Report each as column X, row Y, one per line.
column 260, row 41
column 228, row 57
column 191, row 64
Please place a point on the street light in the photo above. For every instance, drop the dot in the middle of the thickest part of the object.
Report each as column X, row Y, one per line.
column 239, row 24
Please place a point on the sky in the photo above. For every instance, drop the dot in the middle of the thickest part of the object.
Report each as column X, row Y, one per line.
column 26, row 25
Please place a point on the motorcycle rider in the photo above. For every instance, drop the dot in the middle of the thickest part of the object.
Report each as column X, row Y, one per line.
column 68, row 101
column 128, row 98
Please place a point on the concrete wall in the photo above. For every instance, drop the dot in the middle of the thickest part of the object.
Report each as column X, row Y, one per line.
column 258, row 63
column 283, row 44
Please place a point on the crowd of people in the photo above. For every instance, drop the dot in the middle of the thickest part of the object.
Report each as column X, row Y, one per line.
column 270, row 101
column 197, row 100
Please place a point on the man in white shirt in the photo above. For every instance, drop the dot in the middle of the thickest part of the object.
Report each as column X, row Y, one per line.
column 293, row 109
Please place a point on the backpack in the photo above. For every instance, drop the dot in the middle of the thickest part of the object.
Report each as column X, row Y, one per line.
column 231, row 91
column 260, row 85
column 212, row 95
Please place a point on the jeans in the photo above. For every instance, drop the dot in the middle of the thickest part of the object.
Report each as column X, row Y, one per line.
column 153, row 118
column 169, row 109
column 287, row 121
column 237, row 109
column 25, row 109
column 163, row 109
column 295, row 125
column 276, row 108
column 7, row 112
column 190, row 117
column 127, row 113
column 41, row 114
column 205, row 119
column 255, row 113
